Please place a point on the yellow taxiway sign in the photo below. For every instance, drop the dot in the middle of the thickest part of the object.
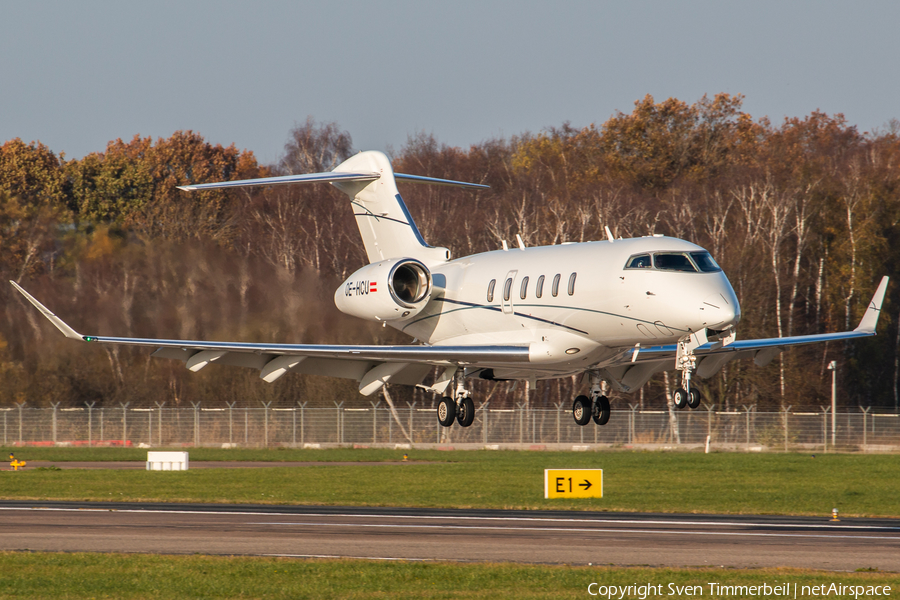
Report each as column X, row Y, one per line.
column 573, row 483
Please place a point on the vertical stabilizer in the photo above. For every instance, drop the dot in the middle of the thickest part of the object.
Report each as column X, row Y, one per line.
column 386, row 227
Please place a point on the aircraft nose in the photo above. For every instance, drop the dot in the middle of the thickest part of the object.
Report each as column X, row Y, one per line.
column 718, row 311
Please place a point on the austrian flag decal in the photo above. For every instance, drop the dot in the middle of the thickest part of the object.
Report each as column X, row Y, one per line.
column 373, row 287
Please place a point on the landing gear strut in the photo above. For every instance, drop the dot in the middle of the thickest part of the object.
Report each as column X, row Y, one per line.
column 686, row 362
column 595, row 408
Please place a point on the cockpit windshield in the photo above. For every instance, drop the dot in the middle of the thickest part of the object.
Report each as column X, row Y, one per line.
column 685, row 262
column 641, row 261
column 672, row 261
column 705, row 262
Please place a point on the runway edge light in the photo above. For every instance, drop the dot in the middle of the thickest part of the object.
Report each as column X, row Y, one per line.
column 573, row 483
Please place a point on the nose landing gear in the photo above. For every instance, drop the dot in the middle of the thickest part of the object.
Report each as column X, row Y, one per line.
column 686, row 362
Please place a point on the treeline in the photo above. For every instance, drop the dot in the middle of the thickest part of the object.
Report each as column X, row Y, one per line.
column 802, row 215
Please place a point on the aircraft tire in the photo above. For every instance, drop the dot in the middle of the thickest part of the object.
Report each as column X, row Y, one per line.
column 581, row 410
column 466, row 414
column 680, row 398
column 446, row 411
column 600, row 413
column 694, row 400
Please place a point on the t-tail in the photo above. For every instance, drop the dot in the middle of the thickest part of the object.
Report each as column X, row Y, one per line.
column 368, row 180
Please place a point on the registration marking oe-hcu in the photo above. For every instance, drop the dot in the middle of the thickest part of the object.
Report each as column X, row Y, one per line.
column 360, row 288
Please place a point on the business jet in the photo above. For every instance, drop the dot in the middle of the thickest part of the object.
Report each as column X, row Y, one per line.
column 616, row 310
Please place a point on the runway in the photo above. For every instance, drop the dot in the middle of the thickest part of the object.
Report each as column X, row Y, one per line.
column 621, row 539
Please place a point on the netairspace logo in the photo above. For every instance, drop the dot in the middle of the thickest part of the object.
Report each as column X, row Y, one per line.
column 721, row 590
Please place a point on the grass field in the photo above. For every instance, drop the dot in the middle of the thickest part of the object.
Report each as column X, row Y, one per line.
column 81, row 575
column 726, row 483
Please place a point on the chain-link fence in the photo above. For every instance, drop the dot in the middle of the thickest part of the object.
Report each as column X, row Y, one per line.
column 746, row 429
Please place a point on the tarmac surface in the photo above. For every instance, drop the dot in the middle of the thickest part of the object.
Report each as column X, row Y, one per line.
column 550, row 537
column 136, row 465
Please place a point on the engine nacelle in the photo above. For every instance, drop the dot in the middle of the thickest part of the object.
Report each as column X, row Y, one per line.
column 386, row 290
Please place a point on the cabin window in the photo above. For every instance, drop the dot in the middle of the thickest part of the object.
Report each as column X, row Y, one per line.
column 524, row 289
column 640, row 261
column 507, row 287
column 539, row 287
column 572, row 283
column 555, row 289
column 674, row 261
column 490, row 294
column 705, row 262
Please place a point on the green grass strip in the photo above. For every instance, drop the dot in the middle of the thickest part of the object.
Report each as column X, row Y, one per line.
column 724, row 483
column 136, row 576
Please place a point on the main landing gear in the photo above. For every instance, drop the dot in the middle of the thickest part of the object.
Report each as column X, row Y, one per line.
column 686, row 362
column 462, row 409
column 595, row 408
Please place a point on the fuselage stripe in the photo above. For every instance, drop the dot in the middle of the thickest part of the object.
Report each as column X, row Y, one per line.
column 468, row 305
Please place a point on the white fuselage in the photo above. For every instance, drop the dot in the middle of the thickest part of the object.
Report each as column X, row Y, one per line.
column 610, row 308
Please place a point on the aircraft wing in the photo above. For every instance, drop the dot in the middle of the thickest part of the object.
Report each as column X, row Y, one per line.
column 634, row 366
column 371, row 366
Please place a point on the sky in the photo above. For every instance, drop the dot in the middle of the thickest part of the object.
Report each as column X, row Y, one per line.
column 75, row 75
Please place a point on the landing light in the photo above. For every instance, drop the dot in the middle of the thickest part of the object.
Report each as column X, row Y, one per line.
column 573, row 350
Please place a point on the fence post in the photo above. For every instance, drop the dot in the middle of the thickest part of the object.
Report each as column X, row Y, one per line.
column 484, row 422
column 340, row 421
column 302, row 420
column 375, row 420
column 159, row 422
column 521, row 411
column 5, row 412
column 124, row 422
column 230, row 421
column 293, row 428
column 865, row 412
column 747, row 426
column 411, row 414
column 558, row 406
column 786, row 412
column 632, row 417
column 90, row 408
column 266, row 421
column 196, row 406
column 53, row 422
column 21, row 405
column 101, row 423
column 825, row 411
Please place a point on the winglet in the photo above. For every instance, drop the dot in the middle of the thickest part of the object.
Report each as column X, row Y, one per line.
column 60, row 324
column 870, row 319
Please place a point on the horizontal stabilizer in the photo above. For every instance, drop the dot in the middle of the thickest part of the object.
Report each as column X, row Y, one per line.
column 329, row 177
column 285, row 179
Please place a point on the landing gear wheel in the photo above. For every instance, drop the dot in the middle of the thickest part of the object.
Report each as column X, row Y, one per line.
column 694, row 400
column 446, row 411
column 680, row 398
column 581, row 410
column 466, row 412
column 600, row 412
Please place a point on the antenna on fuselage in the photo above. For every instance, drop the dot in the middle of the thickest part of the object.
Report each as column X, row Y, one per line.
column 521, row 243
column 609, row 234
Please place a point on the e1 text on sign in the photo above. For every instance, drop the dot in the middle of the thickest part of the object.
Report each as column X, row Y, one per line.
column 573, row 483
